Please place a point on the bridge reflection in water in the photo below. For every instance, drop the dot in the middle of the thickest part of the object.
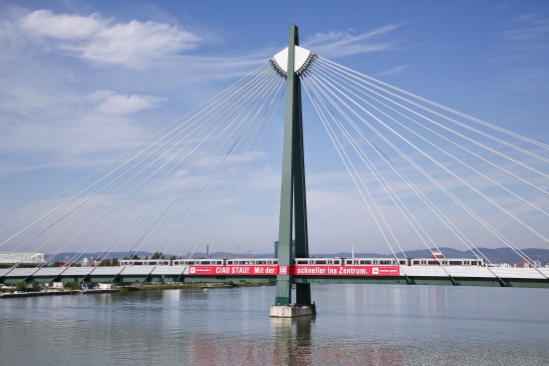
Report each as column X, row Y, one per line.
column 292, row 344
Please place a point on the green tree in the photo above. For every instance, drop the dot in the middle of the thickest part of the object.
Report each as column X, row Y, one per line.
column 132, row 257
column 36, row 286
column 21, row 286
column 115, row 262
column 158, row 255
column 105, row 263
column 173, row 257
column 71, row 285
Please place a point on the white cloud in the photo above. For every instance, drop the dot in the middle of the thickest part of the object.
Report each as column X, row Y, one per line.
column 134, row 45
column 64, row 26
column 112, row 103
column 392, row 71
column 341, row 44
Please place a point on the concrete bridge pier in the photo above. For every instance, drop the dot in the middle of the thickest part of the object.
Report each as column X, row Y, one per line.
column 292, row 311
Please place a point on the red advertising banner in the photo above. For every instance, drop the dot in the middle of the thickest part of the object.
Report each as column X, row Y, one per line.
column 234, row 270
column 312, row 270
column 298, row 270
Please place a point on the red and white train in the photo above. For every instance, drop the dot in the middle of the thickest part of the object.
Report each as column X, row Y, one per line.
column 303, row 266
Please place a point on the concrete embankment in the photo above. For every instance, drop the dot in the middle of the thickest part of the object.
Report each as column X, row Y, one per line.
column 100, row 291
column 57, row 293
column 194, row 286
column 35, row 294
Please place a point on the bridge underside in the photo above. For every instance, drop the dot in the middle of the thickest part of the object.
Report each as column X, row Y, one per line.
column 392, row 280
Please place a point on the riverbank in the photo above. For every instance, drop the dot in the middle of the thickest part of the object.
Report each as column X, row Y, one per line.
column 190, row 286
column 36, row 294
column 140, row 287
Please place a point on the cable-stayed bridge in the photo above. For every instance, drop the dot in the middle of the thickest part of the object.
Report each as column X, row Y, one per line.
column 175, row 192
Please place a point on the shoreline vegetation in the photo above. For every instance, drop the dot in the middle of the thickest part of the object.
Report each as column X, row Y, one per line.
column 71, row 289
column 189, row 286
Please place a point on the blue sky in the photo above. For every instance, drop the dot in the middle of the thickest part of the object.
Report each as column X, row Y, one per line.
column 82, row 82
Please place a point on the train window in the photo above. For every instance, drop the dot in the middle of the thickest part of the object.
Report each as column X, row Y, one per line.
column 374, row 261
column 433, row 263
column 219, row 262
column 416, row 262
column 139, row 263
column 320, row 262
column 349, row 261
column 402, row 262
column 365, row 262
column 456, row 263
column 229, row 262
column 302, row 262
column 190, row 262
column 336, row 261
column 329, row 262
column 384, row 262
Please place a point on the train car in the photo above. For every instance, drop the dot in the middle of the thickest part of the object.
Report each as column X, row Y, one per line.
column 230, row 267
column 144, row 262
column 377, row 261
column 198, row 262
column 251, row 261
column 464, row 262
column 319, row 261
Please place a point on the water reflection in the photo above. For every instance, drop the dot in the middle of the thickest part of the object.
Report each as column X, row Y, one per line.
column 366, row 325
column 294, row 345
column 293, row 340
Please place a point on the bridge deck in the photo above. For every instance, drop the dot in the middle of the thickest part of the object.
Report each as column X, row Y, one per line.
column 482, row 276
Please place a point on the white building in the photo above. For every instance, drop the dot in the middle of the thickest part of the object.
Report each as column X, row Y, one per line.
column 25, row 258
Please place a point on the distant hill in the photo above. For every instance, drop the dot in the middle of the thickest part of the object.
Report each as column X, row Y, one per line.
column 499, row 255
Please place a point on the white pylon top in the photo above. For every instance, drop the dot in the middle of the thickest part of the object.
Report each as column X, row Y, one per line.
column 302, row 59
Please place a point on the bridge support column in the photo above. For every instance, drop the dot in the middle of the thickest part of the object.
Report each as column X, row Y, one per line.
column 292, row 199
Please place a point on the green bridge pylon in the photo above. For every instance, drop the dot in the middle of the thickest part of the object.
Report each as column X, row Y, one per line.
column 293, row 203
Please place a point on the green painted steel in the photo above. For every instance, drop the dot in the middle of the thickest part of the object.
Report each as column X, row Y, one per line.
column 293, row 195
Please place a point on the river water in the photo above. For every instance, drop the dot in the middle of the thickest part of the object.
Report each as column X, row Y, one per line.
column 355, row 325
